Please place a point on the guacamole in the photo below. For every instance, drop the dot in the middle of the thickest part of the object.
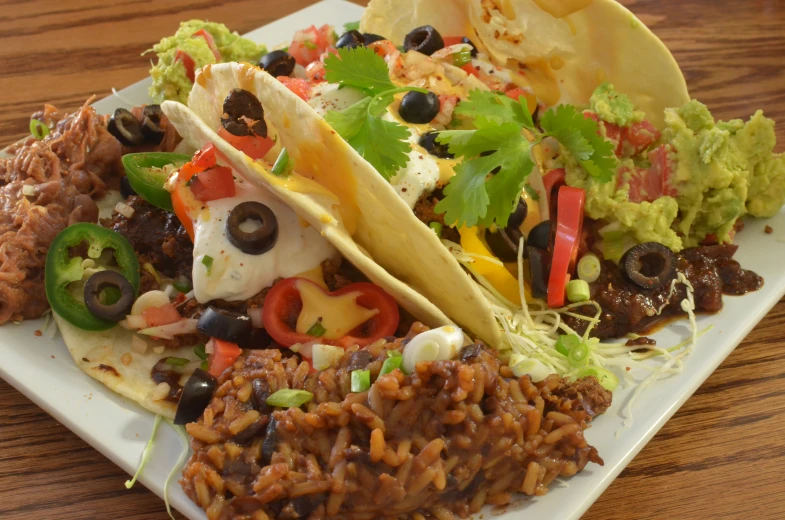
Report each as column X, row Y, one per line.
column 692, row 184
column 179, row 56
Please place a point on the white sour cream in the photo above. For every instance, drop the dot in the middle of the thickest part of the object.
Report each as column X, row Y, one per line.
column 489, row 68
column 421, row 173
column 327, row 96
column 235, row 275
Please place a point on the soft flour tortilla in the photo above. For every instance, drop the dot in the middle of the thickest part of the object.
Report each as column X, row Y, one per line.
column 601, row 41
column 197, row 133
column 99, row 355
column 342, row 196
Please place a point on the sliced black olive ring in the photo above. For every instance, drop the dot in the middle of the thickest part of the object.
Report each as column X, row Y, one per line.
column 197, row 394
column 541, row 236
column 225, row 325
column 648, row 265
column 428, row 141
column 369, row 38
column 350, row 40
column 243, row 114
column 519, row 214
column 151, row 124
column 539, row 270
column 261, row 239
column 419, row 108
column 469, row 42
column 95, row 297
column 277, row 63
column 125, row 128
column 425, row 40
column 504, row 243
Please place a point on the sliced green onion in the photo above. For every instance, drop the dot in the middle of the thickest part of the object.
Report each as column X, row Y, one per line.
column 361, row 380
column 200, row 352
column 181, row 286
column 208, row 263
column 437, row 228
column 566, row 343
column 145, row 453
column 38, row 129
column 605, row 377
column 589, row 268
column 391, row 364
column 578, row 291
column 177, row 361
column 534, row 368
column 579, row 355
column 310, row 45
column 205, row 365
column 317, row 329
column 462, row 58
column 288, row 398
column 531, row 191
column 393, row 353
column 281, row 167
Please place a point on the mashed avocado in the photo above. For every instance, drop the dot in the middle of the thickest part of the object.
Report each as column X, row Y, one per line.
column 716, row 172
column 170, row 74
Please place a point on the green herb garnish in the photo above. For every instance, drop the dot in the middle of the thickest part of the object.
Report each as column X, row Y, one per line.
column 177, row 361
column 436, row 227
column 38, row 129
column 288, row 398
column 390, row 364
column 207, row 260
column 462, row 58
column 182, row 286
column 361, row 380
column 282, row 166
column 310, row 45
column 317, row 329
column 200, row 352
column 531, row 192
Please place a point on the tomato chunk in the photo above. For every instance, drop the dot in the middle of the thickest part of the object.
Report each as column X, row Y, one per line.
column 213, row 184
column 223, row 356
column 201, row 33
column 299, row 86
column 637, row 137
column 253, row 146
column 164, row 315
column 188, row 63
column 308, row 44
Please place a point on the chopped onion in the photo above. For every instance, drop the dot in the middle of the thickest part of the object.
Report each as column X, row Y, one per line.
column 124, row 209
column 186, row 326
column 138, row 345
column 134, row 321
column 28, row 190
column 149, row 300
column 324, row 356
column 255, row 313
column 169, row 290
column 209, row 347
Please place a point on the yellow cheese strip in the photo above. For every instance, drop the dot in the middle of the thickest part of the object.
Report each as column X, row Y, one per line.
column 337, row 314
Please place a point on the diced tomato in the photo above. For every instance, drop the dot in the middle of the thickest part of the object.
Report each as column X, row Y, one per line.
column 652, row 183
column 663, row 166
column 299, row 86
column 181, row 196
column 612, row 131
column 471, row 70
column 315, row 71
column 253, row 146
column 569, row 225
column 201, row 33
column 204, row 158
column 310, row 43
column 515, row 93
column 223, row 356
column 187, row 62
column 164, row 315
column 213, row 184
column 452, row 40
column 636, row 138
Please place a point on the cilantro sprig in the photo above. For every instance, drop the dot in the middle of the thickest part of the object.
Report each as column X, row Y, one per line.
column 382, row 143
column 496, row 155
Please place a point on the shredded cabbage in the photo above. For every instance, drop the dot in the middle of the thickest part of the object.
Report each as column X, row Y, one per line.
column 146, row 453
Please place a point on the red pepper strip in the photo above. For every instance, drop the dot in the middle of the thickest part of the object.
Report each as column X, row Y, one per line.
column 213, row 184
column 553, row 180
column 210, row 43
column 452, row 40
column 203, row 159
column 187, row 62
column 253, row 146
column 283, row 304
column 565, row 250
column 164, row 315
column 471, row 70
column 224, row 355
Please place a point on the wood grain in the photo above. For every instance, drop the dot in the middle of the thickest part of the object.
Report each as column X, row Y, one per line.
column 719, row 457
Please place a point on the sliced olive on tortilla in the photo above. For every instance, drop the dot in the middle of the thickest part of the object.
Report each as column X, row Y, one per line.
column 538, row 271
column 519, row 214
column 197, row 394
column 433, row 147
column 108, row 295
column 469, row 42
column 350, row 40
column 277, row 63
column 252, row 228
column 504, row 243
column 369, row 38
column 425, row 40
column 243, row 114
column 419, row 108
column 151, row 124
column 125, row 128
column 225, row 325
column 648, row 265
column 541, row 236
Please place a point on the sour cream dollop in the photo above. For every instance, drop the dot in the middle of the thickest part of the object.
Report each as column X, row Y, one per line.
column 221, row 270
column 328, row 96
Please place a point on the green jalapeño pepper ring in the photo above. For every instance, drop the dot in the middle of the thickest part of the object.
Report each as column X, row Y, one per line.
column 147, row 174
column 62, row 270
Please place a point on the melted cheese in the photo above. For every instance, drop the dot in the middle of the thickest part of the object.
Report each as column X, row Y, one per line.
column 339, row 315
column 235, row 275
column 316, row 275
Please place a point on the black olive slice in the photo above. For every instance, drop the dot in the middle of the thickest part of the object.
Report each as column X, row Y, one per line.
column 504, row 243
column 225, row 325
column 519, row 214
column 197, row 394
column 648, row 265
column 151, row 124
column 95, row 295
column 474, row 47
column 419, row 108
column 125, row 128
column 541, row 236
column 243, row 114
column 277, row 63
column 428, row 141
column 425, row 40
column 126, row 190
column 539, row 271
column 254, row 242
column 369, row 38
column 350, row 40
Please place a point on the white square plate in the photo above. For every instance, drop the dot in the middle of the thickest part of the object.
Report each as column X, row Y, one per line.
column 42, row 369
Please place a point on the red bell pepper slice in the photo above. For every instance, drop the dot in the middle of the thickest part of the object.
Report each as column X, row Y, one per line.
column 201, row 33
column 188, row 63
column 224, row 355
column 283, row 304
column 203, row 159
column 213, row 184
column 569, row 225
column 452, row 40
column 552, row 181
column 253, row 146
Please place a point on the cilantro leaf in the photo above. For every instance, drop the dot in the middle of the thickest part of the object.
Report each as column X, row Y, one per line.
column 579, row 136
column 470, row 143
column 491, row 108
column 349, row 121
column 360, row 68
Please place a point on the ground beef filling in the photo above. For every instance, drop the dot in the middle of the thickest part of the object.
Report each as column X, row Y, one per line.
column 627, row 308
column 443, row 441
column 425, row 210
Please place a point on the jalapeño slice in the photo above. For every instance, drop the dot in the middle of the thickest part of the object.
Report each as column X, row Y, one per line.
column 147, row 173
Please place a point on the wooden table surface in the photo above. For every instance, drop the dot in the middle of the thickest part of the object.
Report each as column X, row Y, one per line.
column 719, row 457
